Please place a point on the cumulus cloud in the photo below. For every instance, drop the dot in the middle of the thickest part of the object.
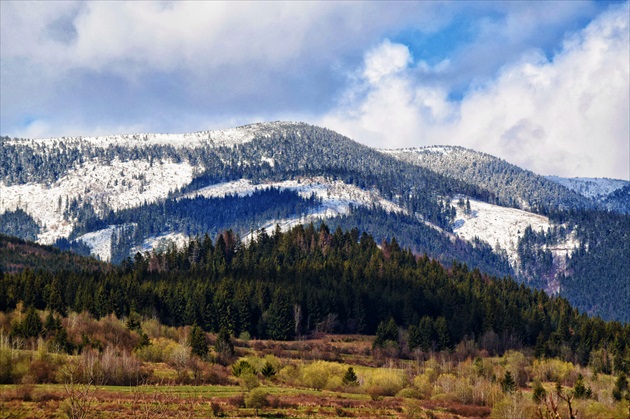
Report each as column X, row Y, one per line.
column 566, row 115
column 72, row 68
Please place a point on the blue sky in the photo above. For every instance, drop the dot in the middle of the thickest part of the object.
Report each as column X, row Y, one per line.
column 541, row 84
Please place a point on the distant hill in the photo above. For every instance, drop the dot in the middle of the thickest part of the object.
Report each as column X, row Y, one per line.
column 613, row 194
column 118, row 195
column 17, row 255
column 508, row 185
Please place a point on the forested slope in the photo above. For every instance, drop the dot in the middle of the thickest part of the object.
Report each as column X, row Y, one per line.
column 285, row 285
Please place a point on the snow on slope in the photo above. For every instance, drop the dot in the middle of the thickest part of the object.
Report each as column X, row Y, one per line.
column 161, row 243
column 119, row 185
column 590, row 187
column 100, row 242
column 336, row 196
column 503, row 227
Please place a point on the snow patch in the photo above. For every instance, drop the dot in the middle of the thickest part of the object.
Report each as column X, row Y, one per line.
column 121, row 184
column 336, row 196
column 100, row 242
column 496, row 225
column 161, row 243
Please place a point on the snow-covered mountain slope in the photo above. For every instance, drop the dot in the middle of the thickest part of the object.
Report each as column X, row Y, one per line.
column 502, row 228
column 112, row 186
column 334, row 194
column 141, row 192
column 504, row 183
column 591, row 187
column 220, row 138
column 336, row 198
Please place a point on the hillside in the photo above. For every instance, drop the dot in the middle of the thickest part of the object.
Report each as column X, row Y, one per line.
column 509, row 185
column 17, row 255
column 118, row 195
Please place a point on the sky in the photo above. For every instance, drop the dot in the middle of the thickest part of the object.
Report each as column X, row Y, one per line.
column 543, row 85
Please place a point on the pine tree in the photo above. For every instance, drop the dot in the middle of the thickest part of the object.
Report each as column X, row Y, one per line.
column 386, row 332
column 508, row 385
column 198, row 342
column 224, row 346
column 268, row 370
column 415, row 339
column 350, row 377
column 280, row 321
column 538, row 392
column 621, row 387
column 443, row 335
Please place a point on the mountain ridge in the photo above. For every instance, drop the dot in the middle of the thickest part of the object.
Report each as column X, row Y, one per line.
column 134, row 191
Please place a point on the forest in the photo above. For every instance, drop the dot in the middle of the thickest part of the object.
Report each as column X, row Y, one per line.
column 299, row 323
column 283, row 286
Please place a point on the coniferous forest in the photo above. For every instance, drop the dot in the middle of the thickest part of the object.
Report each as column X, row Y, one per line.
column 285, row 285
column 252, row 324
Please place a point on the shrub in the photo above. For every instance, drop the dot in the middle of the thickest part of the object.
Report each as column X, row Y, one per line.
column 289, row 374
column 514, row 406
column 423, row 385
column 256, row 399
column 553, row 370
column 249, row 380
column 409, row 393
column 384, row 383
column 317, row 374
column 242, row 367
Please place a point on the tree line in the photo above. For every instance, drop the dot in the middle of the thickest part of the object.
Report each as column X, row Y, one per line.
column 285, row 285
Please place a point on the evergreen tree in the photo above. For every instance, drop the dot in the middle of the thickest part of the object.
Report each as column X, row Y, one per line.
column 386, row 332
column 580, row 391
column 621, row 387
column 224, row 346
column 443, row 335
column 426, row 333
column 538, row 392
column 198, row 342
column 350, row 377
column 415, row 339
column 280, row 321
column 268, row 370
column 508, row 385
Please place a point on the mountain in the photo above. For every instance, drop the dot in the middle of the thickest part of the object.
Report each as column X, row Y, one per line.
column 124, row 194
column 613, row 194
column 508, row 185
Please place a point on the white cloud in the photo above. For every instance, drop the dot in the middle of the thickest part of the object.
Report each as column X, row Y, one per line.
column 567, row 116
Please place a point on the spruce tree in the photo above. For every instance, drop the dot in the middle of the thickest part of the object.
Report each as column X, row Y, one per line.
column 508, row 385
column 198, row 342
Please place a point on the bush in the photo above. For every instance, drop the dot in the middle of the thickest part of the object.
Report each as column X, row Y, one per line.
column 553, row 370
column 242, row 367
column 409, row 393
column 423, row 385
column 384, row 383
column 514, row 406
column 317, row 374
column 249, row 380
column 256, row 399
